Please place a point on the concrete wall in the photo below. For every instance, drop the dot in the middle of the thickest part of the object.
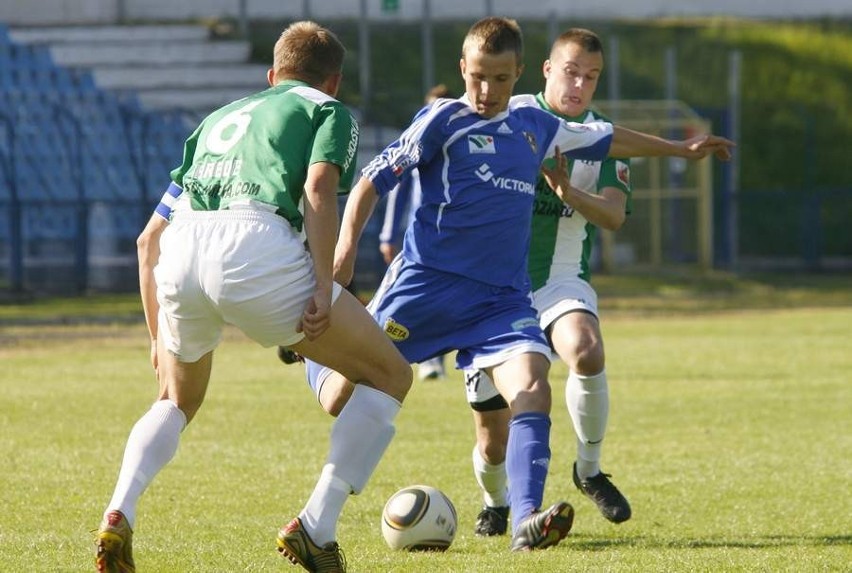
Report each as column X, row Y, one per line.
column 38, row 12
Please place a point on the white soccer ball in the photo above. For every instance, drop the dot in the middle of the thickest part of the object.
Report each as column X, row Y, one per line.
column 419, row 518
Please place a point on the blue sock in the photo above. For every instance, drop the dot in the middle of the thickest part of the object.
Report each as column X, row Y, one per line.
column 527, row 462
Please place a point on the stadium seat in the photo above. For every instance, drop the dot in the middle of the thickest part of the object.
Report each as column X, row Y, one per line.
column 62, row 138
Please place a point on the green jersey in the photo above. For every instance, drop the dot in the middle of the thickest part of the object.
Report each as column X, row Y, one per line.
column 256, row 151
column 561, row 237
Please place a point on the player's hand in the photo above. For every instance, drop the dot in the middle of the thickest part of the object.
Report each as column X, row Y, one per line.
column 317, row 316
column 557, row 177
column 389, row 251
column 706, row 144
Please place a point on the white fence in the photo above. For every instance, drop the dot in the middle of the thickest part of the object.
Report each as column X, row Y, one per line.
column 41, row 12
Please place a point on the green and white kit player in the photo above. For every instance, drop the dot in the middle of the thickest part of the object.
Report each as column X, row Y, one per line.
column 268, row 169
column 562, row 238
column 245, row 235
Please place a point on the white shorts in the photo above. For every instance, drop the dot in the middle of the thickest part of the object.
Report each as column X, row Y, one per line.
column 242, row 267
column 563, row 294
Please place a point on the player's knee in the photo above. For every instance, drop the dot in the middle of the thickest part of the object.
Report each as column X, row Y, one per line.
column 401, row 377
column 493, row 452
column 393, row 377
column 588, row 359
column 536, row 397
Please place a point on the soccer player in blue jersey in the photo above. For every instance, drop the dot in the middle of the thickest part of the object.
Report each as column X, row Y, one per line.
column 460, row 282
column 255, row 174
column 564, row 226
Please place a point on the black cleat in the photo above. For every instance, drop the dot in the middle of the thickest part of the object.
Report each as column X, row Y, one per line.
column 543, row 529
column 288, row 356
column 611, row 503
column 492, row 521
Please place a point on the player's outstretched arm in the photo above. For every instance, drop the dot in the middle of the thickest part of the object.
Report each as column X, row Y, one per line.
column 359, row 206
column 629, row 143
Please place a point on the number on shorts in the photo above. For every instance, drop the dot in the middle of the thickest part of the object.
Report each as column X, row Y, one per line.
column 471, row 380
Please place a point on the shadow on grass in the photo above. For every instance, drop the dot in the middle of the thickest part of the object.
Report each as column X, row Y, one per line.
column 590, row 543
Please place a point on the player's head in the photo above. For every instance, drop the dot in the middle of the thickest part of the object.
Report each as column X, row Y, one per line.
column 491, row 63
column 572, row 71
column 436, row 92
column 308, row 52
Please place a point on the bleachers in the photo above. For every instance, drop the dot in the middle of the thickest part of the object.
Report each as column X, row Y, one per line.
column 167, row 67
column 80, row 170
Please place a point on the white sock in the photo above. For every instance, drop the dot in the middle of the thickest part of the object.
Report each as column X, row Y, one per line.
column 359, row 437
column 321, row 513
column 152, row 443
column 491, row 480
column 588, row 404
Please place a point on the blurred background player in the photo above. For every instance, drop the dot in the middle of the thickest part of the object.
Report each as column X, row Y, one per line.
column 401, row 205
column 233, row 253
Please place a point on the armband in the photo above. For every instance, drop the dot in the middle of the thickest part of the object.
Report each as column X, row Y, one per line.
column 167, row 203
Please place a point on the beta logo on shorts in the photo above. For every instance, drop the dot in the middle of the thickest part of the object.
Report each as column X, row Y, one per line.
column 395, row 330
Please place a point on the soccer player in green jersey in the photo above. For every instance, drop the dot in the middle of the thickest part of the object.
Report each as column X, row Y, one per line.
column 259, row 178
column 564, row 226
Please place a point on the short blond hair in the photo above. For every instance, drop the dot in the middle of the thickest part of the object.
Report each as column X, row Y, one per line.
column 495, row 35
column 306, row 51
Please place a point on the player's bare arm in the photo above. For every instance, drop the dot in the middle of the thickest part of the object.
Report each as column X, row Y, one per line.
column 320, row 218
column 359, row 206
column 629, row 143
column 148, row 252
column 605, row 210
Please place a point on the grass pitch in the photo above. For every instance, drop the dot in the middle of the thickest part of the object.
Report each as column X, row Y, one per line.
column 729, row 433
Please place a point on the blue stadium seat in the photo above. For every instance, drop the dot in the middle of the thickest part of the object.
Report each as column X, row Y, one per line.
column 72, row 140
column 47, row 221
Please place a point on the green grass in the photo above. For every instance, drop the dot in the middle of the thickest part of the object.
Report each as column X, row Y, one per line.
column 666, row 292
column 729, row 432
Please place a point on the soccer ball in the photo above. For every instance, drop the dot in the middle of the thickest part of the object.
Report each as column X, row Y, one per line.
column 419, row 518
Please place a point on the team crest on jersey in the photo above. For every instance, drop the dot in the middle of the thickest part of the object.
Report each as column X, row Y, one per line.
column 480, row 144
column 622, row 171
column 531, row 140
column 395, row 330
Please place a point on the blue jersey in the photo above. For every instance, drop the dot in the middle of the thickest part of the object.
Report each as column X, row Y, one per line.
column 477, row 179
column 402, row 203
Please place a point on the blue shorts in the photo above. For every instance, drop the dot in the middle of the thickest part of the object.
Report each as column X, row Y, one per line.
column 427, row 313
